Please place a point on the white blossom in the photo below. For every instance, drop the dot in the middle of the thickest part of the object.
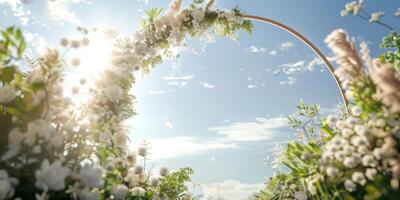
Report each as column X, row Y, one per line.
column 89, row 195
column 51, row 176
column 376, row 17
column 6, row 185
column 300, row 195
column 114, row 93
column 15, row 137
column 358, row 177
column 91, row 176
column 349, row 185
column 138, row 192
column 119, row 192
column 332, row 171
column 164, row 171
column 356, row 111
column 7, row 94
column 331, row 119
column 371, row 173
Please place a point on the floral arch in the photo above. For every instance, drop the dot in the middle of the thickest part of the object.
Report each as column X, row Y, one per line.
column 52, row 151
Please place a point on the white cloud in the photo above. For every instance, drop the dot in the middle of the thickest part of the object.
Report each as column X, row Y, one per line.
column 38, row 42
column 183, row 146
column 273, row 53
column 178, row 78
column 286, row 46
column 301, row 66
column 230, row 189
column 207, row 85
column 257, row 130
column 168, row 125
column 255, row 49
column 18, row 10
column 251, row 86
column 59, row 10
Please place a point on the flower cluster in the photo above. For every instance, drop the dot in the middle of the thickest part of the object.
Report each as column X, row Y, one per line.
column 357, row 155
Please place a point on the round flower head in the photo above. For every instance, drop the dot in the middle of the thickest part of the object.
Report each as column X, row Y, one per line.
column 154, row 181
column 75, row 44
column 7, row 94
column 349, row 185
column 332, row 171
column 138, row 169
column 138, row 192
column 85, row 41
column 119, row 192
column 358, row 177
column 75, row 62
column 91, row 176
column 164, row 171
column 64, row 42
column 51, row 176
column 142, row 151
column 114, row 93
column 356, row 111
column 131, row 159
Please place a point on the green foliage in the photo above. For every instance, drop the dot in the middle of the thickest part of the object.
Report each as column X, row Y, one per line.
column 12, row 45
column 174, row 185
column 391, row 41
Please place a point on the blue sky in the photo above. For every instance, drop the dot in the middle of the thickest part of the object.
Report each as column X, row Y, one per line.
column 220, row 108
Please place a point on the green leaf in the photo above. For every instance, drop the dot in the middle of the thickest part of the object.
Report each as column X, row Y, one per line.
column 7, row 74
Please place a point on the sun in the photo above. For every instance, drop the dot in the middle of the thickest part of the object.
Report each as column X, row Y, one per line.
column 93, row 58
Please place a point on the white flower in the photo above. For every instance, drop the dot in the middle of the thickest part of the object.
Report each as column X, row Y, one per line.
column 91, row 176
column 15, row 137
column 51, row 176
column 7, row 94
column 358, row 177
column 35, row 76
column 119, row 192
column 198, row 14
column 350, row 186
column 311, row 187
column 350, row 162
column 359, row 140
column 352, row 7
column 120, row 138
column 142, row 151
column 154, row 181
column 131, row 159
column 356, row 111
column 346, row 132
column 376, row 17
column 138, row 192
column 340, row 124
column 11, row 153
column 340, row 155
column 351, row 121
column 6, row 185
column 113, row 93
column 164, row 171
column 331, row 119
column 397, row 14
column 75, row 44
column 37, row 128
column 300, row 195
column 369, row 161
column 361, row 130
column 89, row 195
column 75, row 62
column 332, row 171
column 363, row 149
column 371, row 173
column 138, row 169
column 64, row 42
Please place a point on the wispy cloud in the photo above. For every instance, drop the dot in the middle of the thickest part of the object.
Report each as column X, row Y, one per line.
column 207, row 85
column 178, row 78
column 230, row 189
column 301, row 66
column 251, row 86
column 273, row 53
column 255, row 49
column 168, row 125
column 183, row 146
column 257, row 130
column 286, row 46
